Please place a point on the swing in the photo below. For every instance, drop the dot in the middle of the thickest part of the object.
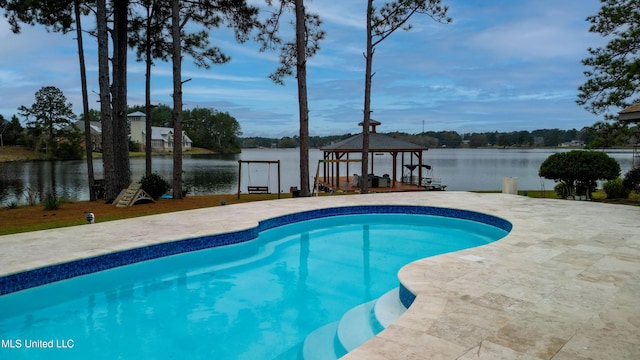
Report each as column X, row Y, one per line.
column 260, row 189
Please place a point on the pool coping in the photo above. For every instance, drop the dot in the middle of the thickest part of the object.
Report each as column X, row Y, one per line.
column 563, row 284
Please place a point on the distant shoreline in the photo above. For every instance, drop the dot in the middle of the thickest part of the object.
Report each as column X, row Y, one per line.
column 20, row 153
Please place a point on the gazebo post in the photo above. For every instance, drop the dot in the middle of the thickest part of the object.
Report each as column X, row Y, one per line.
column 419, row 155
column 338, row 172
column 239, row 176
column 327, row 156
column 394, row 156
column 348, row 168
column 372, row 157
column 333, row 169
column 402, row 169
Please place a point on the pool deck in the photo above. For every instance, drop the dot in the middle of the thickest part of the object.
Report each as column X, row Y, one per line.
column 564, row 284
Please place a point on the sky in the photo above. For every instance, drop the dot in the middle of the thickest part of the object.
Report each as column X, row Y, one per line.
column 500, row 65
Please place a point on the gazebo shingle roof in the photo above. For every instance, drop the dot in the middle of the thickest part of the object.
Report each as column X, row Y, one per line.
column 630, row 114
column 377, row 142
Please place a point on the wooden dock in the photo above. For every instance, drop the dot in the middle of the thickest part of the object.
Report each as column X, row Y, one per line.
column 344, row 185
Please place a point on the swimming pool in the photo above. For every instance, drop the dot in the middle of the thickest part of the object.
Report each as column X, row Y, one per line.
column 253, row 299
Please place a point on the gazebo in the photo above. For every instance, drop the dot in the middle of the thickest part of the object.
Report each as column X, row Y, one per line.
column 340, row 153
column 631, row 114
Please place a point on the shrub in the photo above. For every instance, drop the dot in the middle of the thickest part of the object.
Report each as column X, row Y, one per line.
column 135, row 146
column 52, row 202
column 563, row 190
column 68, row 151
column 632, row 179
column 615, row 189
column 71, row 148
column 12, row 205
column 579, row 170
column 32, row 195
column 155, row 185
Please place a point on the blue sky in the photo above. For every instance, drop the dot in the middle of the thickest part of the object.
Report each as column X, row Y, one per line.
column 501, row 65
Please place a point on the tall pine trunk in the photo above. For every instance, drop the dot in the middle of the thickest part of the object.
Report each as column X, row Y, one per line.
column 147, row 92
column 177, row 100
column 85, row 103
column 364, row 187
column 302, row 97
column 119, row 93
column 108, row 161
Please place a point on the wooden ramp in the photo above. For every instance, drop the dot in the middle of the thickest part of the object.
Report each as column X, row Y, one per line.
column 132, row 195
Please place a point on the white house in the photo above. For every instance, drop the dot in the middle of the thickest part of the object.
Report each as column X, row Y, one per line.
column 161, row 137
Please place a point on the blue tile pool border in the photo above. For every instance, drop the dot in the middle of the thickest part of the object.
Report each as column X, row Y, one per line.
column 57, row 272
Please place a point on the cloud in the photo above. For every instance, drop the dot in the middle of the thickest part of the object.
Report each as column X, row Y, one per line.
column 500, row 65
column 347, row 14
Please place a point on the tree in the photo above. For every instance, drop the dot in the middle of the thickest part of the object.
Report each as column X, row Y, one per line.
column 10, row 131
column 147, row 38
column 57, row 15
column 578, row 170
column 632, row 179
column 161, row 115
column 381, row 23
column 121, row 176
column 69, row 146
column 449, row 139
column 614, row 75
column 478, row 140
column 50, row 113
column 4, row 125
column 212, row 130
column 210, row 14
column 287, row 142
column 307, row 43
column 108, row 161
column 606, row 135
column 303, row 103
column 176, row 57
column 85, row 101
column 151, row 37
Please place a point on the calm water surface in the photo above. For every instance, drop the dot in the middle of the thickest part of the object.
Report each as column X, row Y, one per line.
column 459, row 169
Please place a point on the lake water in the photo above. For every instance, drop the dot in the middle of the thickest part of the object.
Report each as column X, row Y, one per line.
column 459, row 169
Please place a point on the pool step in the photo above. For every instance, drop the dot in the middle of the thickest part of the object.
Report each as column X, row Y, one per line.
column 294, row 353
column 388, row 308
column 356, row 326
column 319, row 345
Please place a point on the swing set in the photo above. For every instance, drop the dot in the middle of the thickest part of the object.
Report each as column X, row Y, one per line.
column 257, row 189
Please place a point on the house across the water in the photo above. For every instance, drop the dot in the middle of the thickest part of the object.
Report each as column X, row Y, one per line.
column 161, row 137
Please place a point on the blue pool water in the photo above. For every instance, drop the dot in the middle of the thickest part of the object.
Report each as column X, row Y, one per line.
column 254, row 300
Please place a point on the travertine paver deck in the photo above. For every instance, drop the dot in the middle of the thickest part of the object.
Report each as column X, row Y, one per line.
column 564, row 284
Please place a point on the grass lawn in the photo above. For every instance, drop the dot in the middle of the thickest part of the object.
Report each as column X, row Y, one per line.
column 18, row 153
column 32, row 218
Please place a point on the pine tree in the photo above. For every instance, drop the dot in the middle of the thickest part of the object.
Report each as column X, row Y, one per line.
column 613, row 79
